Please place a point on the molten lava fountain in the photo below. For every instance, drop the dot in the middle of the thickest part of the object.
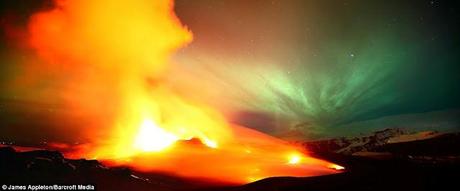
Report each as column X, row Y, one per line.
column 112, row 56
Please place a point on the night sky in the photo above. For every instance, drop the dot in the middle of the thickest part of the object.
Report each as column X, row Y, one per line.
column 312, row 69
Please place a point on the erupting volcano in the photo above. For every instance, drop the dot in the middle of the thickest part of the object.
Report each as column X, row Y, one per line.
column 111, row 59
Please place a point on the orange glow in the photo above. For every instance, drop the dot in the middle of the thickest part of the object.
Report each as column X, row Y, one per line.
column 336, row 167
column 294, row 158
column 153, row 138
column 112, row 56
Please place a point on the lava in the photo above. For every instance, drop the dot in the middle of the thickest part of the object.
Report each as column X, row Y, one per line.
column 153, row 138
column 111, row 58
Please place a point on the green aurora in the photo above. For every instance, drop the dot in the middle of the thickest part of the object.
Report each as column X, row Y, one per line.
column 319, row 67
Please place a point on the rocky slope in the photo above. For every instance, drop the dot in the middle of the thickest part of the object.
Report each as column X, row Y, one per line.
column 374, row 142
column 50, row 167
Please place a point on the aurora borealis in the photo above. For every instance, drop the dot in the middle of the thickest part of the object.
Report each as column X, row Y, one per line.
column 334, row 68
column 320, row 67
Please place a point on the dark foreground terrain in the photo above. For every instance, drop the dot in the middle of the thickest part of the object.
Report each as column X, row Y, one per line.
column 376, row 162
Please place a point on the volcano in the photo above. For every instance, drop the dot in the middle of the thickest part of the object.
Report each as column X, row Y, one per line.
column 222, row 95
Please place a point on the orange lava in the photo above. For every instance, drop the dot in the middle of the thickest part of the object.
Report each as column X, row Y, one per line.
column 112, row 56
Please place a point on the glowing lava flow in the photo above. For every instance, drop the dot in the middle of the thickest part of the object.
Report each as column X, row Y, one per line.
column 111, row 55
column 153, row 138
